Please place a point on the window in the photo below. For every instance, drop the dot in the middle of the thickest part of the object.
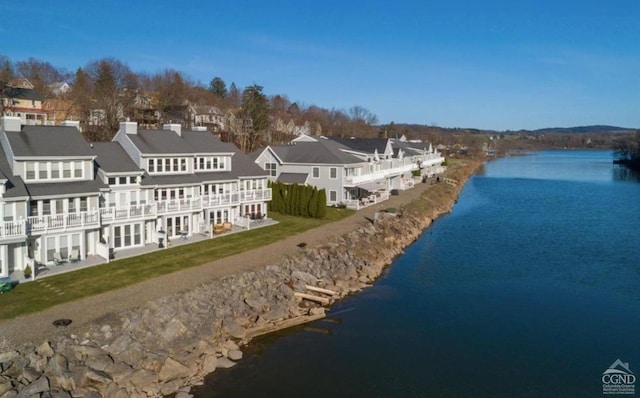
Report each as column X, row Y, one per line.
column 31, row 171
column 66, row 170
column 333, row 173
column 8, row 212
column 271, row 168
column 112, row 181
column 42, row 171
column 72, row 205
column 201, row 163
column 132, row 180
column 167, row 164
column 122, row 180
column 315, row 172
column 77, row 169
column 59, row 206
column 160, row 166
column 137, row 236
column 175, row 165
column 75, row 242
column 333, row 196
column 33, row 205
column 183, row 164
column 83, row 204
column 46, row 207
column 55, row 170
column 152, row 164
column 215, row 163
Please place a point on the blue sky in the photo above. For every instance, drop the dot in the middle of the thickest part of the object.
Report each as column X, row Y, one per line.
column 485, row 64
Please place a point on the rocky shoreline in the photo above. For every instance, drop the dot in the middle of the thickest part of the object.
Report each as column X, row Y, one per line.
column 172, row 343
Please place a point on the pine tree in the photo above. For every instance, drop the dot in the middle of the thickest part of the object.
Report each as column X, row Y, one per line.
column 322, row 204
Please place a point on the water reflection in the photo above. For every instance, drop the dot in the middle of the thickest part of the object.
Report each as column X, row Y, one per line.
column 623, row 173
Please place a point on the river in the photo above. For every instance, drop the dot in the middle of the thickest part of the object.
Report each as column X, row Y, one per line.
column 529, row 288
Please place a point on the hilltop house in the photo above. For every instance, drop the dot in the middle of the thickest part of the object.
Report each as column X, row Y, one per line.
column 64, row 199
column 23, row 101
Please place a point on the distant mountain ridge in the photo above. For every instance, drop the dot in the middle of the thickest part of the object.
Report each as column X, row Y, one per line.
column 585, row 129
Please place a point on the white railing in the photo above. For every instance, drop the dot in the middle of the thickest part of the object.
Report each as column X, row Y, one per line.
column 258, row 194
column 221, row 199
column 179, row 205
column 64, row 221
column 361, row 203
column 133, row 212
column 10, row 229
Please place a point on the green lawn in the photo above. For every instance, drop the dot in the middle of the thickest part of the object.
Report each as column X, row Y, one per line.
column 33, row 296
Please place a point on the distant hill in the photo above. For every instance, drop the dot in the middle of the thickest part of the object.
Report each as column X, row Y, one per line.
column 584, row 129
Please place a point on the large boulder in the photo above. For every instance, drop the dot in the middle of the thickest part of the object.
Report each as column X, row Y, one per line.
column 172, row 369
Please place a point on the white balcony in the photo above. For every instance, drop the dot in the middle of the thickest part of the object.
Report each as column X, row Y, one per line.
column 393, row 169
column 254, row 195
column 179, row 205
column 128, row 213
column 221, row 199
column 64, row 222
column 13, row 229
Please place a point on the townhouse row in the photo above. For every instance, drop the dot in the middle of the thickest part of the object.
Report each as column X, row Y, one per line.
column 60, row 194
column 355, row 172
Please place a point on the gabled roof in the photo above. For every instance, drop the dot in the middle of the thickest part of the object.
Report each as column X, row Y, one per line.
column 243, row 166
column 112, row 158
column 293, row 178
column 92, row 188
column 321, row 152
column 49, row 141
column 366, row 145
column 21, row 93
column 160, row 142
column 205, row 142
column 169, row 142
column 14, row 185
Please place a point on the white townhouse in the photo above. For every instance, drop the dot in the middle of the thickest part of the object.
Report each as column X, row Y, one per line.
column 62, row 196
column 51, row 169
column 193, row 178
column 355, row 172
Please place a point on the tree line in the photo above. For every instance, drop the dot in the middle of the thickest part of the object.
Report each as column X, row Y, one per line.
column 298, row 200
column 253, row 118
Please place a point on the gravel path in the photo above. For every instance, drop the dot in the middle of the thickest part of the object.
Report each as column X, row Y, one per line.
column 37, row 327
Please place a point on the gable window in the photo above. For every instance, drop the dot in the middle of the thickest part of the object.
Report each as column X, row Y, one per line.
column 183, row 164
column 152, row 165
column 55, row 170
column 122, row 180
column 77, row 169
column 66, row 170
column 132, row 180
column 42, row 171
column 315, row 172
column 333, row 172
column 160, row 168
column 271, row 168
column 31, row 171
column 112, row 181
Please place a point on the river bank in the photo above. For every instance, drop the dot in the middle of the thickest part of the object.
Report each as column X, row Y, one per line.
column 172, row 342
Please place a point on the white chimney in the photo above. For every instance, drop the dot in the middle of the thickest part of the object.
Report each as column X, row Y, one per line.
column 71, row 123
column 10, row 123
column 129, row 127
column 173, row 126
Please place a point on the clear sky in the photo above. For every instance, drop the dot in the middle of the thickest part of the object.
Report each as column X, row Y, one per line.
column 496, row 64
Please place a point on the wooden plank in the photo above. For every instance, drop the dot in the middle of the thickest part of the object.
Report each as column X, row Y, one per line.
column 284, row 324
column 321, row 290
column 311, row 297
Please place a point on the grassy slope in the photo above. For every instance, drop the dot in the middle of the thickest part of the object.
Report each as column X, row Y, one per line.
column 37, row 296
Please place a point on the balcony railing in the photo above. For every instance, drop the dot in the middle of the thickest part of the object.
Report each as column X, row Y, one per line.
column 133, row 212
column 221, row 199
column 12, row 229
column 63, row 222
column 179, row 205
column 257, row 194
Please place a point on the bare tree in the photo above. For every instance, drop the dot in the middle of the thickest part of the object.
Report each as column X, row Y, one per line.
column 41, row 74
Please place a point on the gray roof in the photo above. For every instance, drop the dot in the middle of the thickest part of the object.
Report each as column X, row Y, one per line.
column 53, row 141
column 15, row 186
column 320, row 152
column 366, row 145
column 22, row 93
column 112, row 158
column 169, row 142
column 66, row 188
column 243, row 166
column 293, row 178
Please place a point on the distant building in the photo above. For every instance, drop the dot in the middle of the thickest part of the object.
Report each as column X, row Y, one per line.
column 20, row 99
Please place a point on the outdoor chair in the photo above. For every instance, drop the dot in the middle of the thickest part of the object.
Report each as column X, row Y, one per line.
column 57, row 258
column 74, row 256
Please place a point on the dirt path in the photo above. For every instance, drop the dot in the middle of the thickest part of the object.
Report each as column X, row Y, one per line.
column 37, row 327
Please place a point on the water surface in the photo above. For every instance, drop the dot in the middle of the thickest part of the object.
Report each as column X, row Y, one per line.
column 529, row 288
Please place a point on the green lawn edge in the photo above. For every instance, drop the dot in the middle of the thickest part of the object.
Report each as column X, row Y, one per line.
column 42, row 294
